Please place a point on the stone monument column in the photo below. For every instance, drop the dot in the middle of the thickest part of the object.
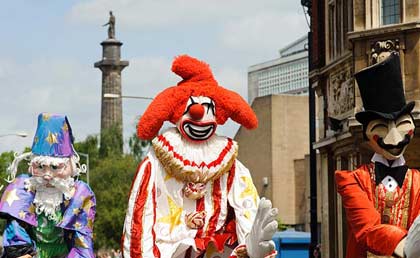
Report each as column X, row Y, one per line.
column 111, row 66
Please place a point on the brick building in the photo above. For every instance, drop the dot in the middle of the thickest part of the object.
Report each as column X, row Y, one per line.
column 346, row 37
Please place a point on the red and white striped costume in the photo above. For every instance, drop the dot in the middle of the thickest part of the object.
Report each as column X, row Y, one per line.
column 155, row 224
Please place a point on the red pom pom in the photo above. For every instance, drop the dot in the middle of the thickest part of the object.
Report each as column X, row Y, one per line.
column 196, row 111
column 191, row 69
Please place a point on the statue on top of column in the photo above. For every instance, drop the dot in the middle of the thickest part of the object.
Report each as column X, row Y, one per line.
column 111, row 28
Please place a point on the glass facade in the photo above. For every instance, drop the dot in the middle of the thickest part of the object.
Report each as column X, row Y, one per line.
column 390, row 11
column 285, row 78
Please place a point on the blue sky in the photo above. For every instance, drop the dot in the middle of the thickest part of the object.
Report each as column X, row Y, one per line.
column 47, row 51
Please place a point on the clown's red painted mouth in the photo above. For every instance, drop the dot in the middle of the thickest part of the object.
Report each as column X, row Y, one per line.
column 198, row 131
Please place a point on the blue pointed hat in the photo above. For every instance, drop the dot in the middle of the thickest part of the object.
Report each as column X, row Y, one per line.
column 53, row 136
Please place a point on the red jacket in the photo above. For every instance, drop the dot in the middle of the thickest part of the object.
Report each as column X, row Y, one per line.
column 366, row 233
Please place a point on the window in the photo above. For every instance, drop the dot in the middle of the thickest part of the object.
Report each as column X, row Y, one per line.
column 390, row 11
column 340, row 22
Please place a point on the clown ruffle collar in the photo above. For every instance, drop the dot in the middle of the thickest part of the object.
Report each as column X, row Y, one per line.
column 194, row 162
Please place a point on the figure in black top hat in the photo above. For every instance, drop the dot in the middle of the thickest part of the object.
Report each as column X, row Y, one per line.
column 380, row 198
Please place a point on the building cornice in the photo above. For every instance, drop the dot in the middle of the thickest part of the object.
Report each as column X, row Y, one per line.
column 380, row 31
column 344, row 58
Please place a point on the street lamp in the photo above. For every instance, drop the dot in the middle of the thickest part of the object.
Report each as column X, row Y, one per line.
column 87, row 165
column 116, row 96
column 21, row 134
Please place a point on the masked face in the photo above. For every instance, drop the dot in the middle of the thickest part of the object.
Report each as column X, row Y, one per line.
column 198, row 122
column 49, row 172
column 390, row 137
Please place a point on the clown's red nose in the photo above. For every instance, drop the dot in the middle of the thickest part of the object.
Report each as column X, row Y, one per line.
column 196, row 111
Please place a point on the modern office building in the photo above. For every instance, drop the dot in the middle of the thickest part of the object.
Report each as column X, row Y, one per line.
column 286, row 74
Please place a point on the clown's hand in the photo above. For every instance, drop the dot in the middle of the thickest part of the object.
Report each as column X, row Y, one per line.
column 259, row 243
column 412, row 243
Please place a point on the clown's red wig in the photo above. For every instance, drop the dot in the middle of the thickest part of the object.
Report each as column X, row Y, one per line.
column 198, row 80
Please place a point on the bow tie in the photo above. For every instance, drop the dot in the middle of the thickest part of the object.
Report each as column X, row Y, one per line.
column 398, row 173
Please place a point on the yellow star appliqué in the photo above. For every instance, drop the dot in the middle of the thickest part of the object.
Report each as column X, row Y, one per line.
column 174, row 216
column 11, row 196
column 80, row 242
column 249, row 190
column 77, row 225
column 32, row 208
column 87, row 204
column 90, row 223
column 46, row 116
column 76, row 211
column 51, row 138
column 65, row 127
column 22, row 214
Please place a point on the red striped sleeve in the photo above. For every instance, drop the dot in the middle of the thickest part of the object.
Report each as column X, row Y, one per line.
column 137, row 220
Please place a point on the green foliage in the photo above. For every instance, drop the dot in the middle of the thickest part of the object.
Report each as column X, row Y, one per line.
column 111, row 142
column 138, row 147
column 281, row 226
column 111, row 182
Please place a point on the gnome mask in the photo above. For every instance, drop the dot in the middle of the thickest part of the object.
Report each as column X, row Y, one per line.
column 390, row 138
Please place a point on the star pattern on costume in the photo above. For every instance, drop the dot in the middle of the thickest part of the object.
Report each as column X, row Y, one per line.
column 22, row 214
column 51, row 138
column 46, row 116
column 174, row 216
column 90, row 223
column 36, row 139
column 247, row 214
column 249, row 190
column 80, row 242
column 31, row 208
column 11, row 196
column 87, row 204
column 76, row 211
column 65, row 127
column 77, row 225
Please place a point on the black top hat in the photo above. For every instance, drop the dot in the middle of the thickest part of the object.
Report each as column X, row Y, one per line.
column 382, row 91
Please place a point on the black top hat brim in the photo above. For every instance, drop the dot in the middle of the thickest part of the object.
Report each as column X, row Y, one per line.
column 366, row 116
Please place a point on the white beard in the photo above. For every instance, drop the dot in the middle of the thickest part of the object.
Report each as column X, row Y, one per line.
column 49, row 199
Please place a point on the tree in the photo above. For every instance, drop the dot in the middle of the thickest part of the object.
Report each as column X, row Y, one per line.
column 111, row 141
column 138, row 147
column 111, row 182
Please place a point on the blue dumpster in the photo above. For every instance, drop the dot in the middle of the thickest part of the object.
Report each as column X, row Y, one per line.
column 292, row 244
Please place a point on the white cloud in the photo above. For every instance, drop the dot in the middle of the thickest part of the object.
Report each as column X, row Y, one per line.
column 157, row 14
column 263, row 31
column 56, row 86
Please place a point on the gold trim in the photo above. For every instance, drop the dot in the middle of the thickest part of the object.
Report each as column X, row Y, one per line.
column 179, row 172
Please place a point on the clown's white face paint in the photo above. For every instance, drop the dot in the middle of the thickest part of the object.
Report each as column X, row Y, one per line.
column 390, row 138
column 198, row 123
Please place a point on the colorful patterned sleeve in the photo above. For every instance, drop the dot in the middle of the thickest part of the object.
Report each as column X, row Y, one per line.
column 139, row 238
column 78, row 221
column 82, row 246
column 16, row 241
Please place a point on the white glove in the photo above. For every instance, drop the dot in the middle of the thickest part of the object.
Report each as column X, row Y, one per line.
column 412, row 244
column 259, row 243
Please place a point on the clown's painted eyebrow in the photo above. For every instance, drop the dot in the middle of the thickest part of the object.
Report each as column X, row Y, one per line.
column 378, row 126
column 404, row 122
column 210, row 106
column 188, row 107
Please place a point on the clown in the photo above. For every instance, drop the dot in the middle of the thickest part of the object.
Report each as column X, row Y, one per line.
column 191, row 197
column 49, row 213
column 381, row 199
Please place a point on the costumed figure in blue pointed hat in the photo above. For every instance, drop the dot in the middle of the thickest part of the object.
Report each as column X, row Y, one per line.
column 48, row 212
